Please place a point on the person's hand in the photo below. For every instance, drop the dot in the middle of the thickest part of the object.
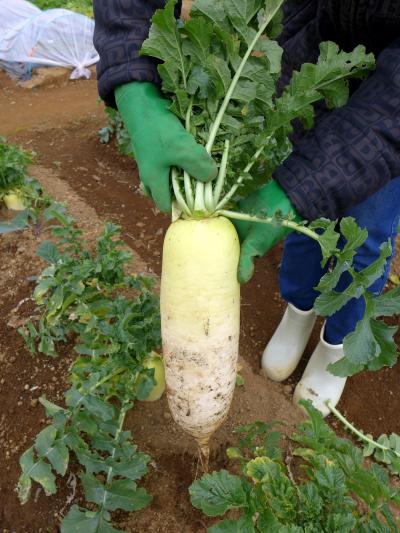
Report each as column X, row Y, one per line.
column 160, row 141
column 257, row 238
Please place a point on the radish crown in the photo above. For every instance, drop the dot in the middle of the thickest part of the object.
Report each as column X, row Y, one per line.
column 221, row 70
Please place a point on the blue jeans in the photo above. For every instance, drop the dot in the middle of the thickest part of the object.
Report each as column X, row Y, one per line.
column 301, row 269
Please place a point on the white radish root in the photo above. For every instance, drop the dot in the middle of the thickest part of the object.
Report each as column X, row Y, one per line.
column 200, row 311
column 13, row 201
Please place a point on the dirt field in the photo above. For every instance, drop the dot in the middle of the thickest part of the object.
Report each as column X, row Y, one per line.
column 60, row 124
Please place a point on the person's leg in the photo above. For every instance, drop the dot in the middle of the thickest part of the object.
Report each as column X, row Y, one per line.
column 380, row 214
column 300, row 271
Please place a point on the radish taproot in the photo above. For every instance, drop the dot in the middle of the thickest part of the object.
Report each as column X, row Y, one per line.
column 200, row 308
column 14, row 201
column 220, row 70
column 156, row 363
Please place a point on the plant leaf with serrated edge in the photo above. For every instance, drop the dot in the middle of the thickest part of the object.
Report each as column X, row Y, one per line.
column 388, row 304
column 360, row 346
column 329, row 280
column 39, row 471
column 212, row 10
column 56, row 452
column 18, row 223
column 220, row 75
column 120, row 494
column 245, row 91
column 124, row 494
column 384, row 336
column 328, row 238
column 240, row 13
column 328, row 303
column 354, row 235
column 244, row 524
column 80, row 520
column 374, row 270
column 164, row 41
column 48, row 251
column 344, row 368
column 215, row 493
column 273, row 53
column 170, row 75
column 261, row 467
column 50, row 407
column 197, row 45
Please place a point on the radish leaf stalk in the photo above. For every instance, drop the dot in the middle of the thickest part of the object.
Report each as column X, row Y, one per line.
column 385, row 449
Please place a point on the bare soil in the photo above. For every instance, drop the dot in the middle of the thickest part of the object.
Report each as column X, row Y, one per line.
column 60, row 123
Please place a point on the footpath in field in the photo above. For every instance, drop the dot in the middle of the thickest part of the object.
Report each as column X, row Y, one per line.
column 60, row 123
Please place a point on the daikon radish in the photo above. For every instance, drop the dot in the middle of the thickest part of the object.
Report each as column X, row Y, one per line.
column 200, row 308
column 13, row 201
column 155, row 362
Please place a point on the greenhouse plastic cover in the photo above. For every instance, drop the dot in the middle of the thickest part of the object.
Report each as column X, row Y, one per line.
column 55, row 37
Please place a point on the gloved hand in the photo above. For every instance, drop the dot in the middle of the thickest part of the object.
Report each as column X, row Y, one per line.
column 160, row 141
column 257, row 238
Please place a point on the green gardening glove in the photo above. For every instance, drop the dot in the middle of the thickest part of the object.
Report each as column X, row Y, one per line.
column 257, row 238
column 160, row 141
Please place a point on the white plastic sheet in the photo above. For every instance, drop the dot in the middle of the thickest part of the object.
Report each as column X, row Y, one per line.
column 56, row 37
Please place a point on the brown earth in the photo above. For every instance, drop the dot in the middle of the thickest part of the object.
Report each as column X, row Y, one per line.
column 60, row 123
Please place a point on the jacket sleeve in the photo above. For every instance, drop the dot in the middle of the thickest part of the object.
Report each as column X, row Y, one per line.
column 121, row 26
column 352, row 151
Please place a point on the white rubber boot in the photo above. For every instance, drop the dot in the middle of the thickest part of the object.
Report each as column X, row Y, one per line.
column 283, row 352
column 317, row 383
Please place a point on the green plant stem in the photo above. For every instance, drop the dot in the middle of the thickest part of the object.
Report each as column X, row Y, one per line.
column 239, row 181
column 188, row 190
column 356, row 431
column 270, row 220
column 221, row 174
column 186, row 178
column 199, row 197
column 177, row 191
column 100, row 383
column 209, row 197
column 215, row 127
column 124, row 409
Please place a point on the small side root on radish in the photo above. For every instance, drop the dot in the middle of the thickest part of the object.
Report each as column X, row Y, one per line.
column 204, row 453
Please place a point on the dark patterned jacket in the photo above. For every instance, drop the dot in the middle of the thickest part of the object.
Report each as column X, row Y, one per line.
column 352, row 151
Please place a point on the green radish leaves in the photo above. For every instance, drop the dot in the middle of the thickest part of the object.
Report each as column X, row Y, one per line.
column 18, row 190
column 83, row 521
column 199, row 61
column 328, row 488
column 215, row 493
column 200, row 65
column 326, row 80
column 371, row 346
column 13, row 166
column 81, row 295
column 165, row 43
